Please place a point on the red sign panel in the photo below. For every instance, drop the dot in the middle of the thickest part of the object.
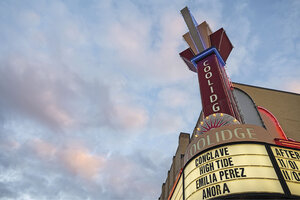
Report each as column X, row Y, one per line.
column 187, row 55
column 214, row 95
column 220, row 40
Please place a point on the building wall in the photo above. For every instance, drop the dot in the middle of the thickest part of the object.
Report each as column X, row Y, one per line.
column 285, row 106
column 176, row 166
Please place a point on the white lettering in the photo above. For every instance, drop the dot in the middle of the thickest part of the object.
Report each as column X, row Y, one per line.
column 205, row 63
column 203, row 143
column 211, row 89
column 224, row 136
column 213, row 98
column 216, row 108
column 238, row 135
column 208, row 75
column 193, row 150
column 207, row 68
column 251, row 133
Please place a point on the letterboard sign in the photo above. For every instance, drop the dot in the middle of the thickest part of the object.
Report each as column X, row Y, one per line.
column 288, row 161
column 230, row 169
column 177, row 195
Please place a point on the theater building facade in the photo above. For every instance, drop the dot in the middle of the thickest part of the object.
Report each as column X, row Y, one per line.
column 244, row 144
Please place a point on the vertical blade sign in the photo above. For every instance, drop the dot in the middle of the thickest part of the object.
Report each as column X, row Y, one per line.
column 213, row 94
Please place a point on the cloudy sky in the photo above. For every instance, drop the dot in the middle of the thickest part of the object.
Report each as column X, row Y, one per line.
column 93, row 94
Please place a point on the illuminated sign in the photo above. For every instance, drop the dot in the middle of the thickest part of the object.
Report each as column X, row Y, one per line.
column 230, row 169
column 226, row 134
column 213, row 92
column 235, row 159
column 288, row 161
column 215, row 121
column 177, row 195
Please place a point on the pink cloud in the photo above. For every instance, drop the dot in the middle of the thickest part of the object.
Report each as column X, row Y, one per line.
column 75, row 158
column 43, row 149
column 81, row 162
column 31, row 88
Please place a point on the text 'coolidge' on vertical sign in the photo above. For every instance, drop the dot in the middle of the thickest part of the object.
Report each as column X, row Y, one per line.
column 213, row 93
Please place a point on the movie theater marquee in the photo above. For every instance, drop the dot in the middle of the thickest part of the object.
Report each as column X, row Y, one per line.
column 230, row 169
column 238, row 159
column 226, row 159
